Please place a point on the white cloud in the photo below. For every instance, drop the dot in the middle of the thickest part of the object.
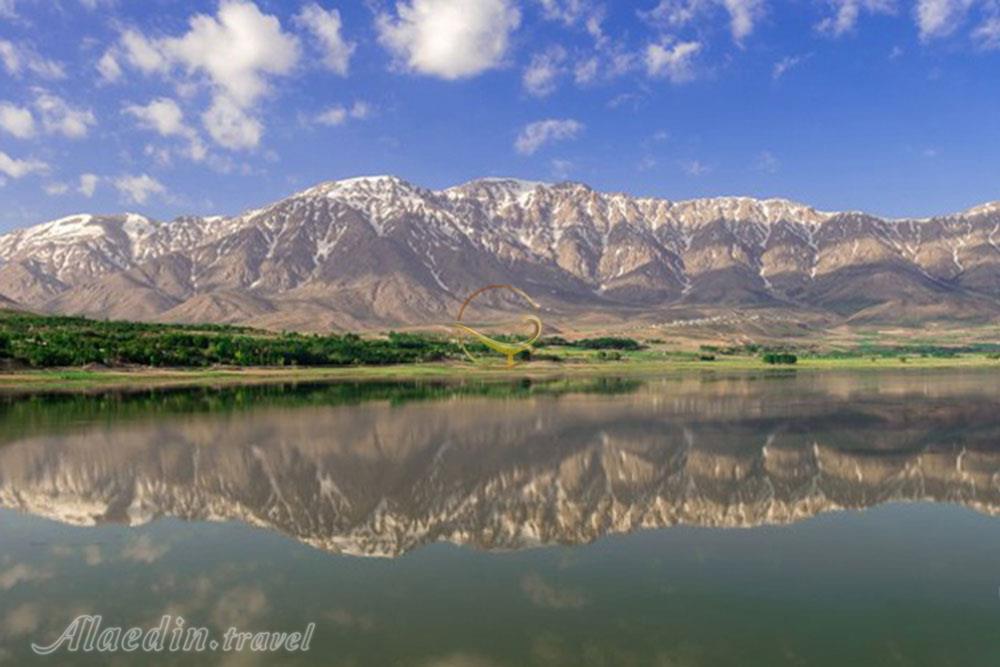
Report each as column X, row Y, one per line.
column 595, row 28
column 165, row 117
column 16, row 120
column 137, row 189
column 561, row 168
column 674, row 13
column 230, row 126
column 19, row 58
column 161, row 115
column 360, row 110
column 608, row 61
column 585, row 71
column 108, row 67
column 695, row 168
column 987, row 34
column 88, row 184
column 539, row 79
column 235, row 52
column 567, row 11
column 535, row 135
column 7, row 9
column 573, row 12
column 782, row 67
column 632, row 100
column 844, row 18
column 142, row 53
column 450, row 39
column 55, row 189
column 336, row 115
column 159, row 154
column 743, row 14
column 674, row 62
column 196, row 149
column 10, row 57
column 14, row 168
column 325, row 27
column 938, row 18
column 621, row 62
column 58, row 117
column 846, row 13
column 609, row 58
column 339, row 114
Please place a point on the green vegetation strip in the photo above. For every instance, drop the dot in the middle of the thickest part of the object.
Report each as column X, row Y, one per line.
column 39, row 353
column 46, row 342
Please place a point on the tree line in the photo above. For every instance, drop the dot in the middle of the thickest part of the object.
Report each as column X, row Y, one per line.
column 45, row 342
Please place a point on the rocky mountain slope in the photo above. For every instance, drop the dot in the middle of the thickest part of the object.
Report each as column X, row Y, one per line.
column 378, row 251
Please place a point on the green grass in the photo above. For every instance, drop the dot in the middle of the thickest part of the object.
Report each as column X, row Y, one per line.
column 40, row 354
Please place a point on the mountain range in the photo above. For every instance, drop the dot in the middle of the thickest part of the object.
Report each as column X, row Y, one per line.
column 375, row 252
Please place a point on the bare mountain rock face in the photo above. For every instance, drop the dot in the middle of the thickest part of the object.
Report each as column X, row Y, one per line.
column 368, row 253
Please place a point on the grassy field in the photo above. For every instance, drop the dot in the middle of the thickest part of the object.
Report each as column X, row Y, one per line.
column 49, row 353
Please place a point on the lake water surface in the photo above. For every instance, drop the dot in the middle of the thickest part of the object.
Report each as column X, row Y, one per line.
column 780, row 519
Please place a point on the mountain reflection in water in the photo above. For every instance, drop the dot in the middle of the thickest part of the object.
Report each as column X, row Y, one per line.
column 381, row 469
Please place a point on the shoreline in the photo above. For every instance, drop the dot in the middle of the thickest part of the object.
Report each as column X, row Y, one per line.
column 84, row 380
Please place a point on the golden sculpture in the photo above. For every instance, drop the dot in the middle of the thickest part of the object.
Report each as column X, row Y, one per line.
column 508, row 349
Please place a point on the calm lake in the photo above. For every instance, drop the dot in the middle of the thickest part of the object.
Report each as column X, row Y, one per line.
column 771, row 519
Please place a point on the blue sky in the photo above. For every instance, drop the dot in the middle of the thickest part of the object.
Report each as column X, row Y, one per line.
column 169, row 108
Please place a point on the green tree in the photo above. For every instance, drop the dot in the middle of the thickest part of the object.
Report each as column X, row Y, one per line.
column 779, row 358
column 609, row 343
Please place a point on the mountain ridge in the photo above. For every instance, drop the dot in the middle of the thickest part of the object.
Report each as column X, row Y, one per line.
column 377, row 251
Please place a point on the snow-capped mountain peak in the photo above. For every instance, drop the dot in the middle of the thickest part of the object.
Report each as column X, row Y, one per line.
column 379, row 251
